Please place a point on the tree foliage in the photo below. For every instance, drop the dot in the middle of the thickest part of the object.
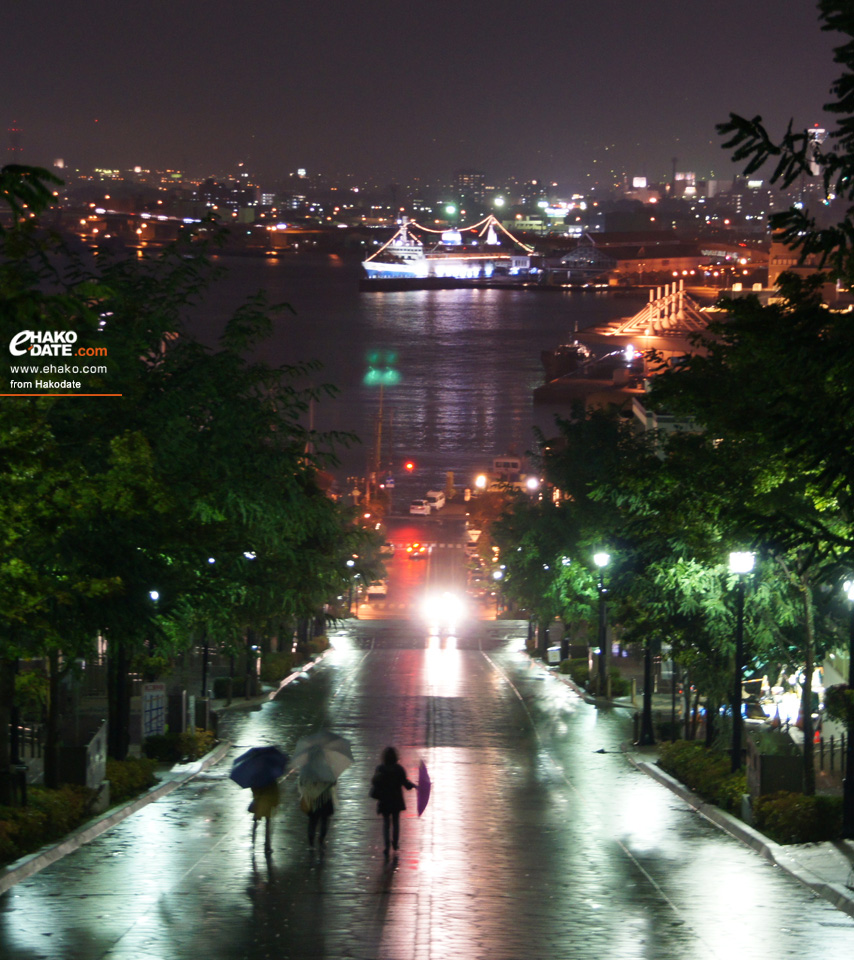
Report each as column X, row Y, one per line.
column 202, row 463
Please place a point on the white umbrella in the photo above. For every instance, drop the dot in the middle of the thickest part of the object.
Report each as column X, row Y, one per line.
column 322, row 756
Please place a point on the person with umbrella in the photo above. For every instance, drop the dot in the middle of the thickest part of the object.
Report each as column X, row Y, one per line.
column 320, row 759
column 317, row 799
column 259, row 769
column 387, row 789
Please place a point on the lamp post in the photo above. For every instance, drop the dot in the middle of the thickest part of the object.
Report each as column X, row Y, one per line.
column 848, row 782
column 350, row 565
column 647, row 730
column 154, row 596
column 498, row 576
column 740, row 563
column 601, row 560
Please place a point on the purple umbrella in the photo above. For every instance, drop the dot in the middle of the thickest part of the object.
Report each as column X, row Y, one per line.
column 422, row 788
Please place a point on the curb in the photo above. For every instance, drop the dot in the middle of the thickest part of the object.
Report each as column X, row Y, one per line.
column 835, row 893
column 25, row 867
column 261, row 699
column 33, row 862
column 585, row 696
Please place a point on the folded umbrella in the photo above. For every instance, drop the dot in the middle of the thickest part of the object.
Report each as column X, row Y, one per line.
column 422, row 788
column 259, row 766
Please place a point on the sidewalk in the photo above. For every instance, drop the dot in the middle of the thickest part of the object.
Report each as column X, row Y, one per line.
column 25, row 867
column 826, row 868
column 180, row 773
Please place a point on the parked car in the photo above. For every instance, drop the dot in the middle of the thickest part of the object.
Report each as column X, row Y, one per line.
column 436, row 499
column 420, row 507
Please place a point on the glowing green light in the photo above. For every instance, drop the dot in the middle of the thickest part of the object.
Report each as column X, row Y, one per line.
column 381, row 377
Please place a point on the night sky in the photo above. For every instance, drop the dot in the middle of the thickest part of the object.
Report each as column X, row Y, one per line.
column 557, row 89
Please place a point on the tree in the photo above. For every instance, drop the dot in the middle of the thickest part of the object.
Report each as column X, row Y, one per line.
column 797, row 155
column 204, row 456
column 744, row 387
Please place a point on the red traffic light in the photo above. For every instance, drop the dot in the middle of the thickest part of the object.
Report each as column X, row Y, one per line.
column 409, row 466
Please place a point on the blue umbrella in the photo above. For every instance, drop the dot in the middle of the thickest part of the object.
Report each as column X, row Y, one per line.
column 259, row 766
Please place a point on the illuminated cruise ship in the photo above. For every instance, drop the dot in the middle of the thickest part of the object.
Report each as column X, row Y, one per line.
column 404, row 256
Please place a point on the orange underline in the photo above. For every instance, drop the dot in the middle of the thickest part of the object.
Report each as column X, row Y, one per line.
column 61, row 394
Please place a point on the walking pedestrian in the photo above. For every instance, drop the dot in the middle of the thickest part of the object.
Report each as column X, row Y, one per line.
column 387, row 789
column 265, row 799
column 317, row 800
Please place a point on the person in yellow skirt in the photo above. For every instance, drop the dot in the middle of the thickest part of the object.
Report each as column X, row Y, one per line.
column 264, row 802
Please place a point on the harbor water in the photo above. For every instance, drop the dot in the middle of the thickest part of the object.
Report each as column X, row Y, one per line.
column 457, row 367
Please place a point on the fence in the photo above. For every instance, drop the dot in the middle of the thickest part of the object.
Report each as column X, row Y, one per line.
column 830, row 755
column 30, row 739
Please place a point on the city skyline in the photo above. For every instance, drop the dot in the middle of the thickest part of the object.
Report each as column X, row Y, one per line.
column 385, row 92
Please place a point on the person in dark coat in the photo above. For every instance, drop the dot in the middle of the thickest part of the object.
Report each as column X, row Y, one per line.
column 387, row 789
column 317, row 800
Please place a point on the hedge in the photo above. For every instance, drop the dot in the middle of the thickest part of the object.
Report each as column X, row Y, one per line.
column 706, row 772
column 130, row 777
column 179, row 747
column 578, row 670
column 276, row 666
column 48, row 816
column 795, row 818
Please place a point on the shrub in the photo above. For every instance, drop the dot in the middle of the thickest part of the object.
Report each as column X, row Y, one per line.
column 160, row 747
column 49, row 815
column 276, row 666
column 220, row 687
column 839, row 703
column 668, row 729
column 130, row 777
column 179, row 747
column 795, row 818
column 578, row 670
column 193, row 746
column 620, row 686
column 318, row 644
column 706, row 772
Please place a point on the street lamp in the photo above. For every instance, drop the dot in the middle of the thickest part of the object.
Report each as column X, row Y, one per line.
column 350, row 565
column 848, row 782
column 601, row 560
column 647, row 729
column 498, row 576
column 740, row 563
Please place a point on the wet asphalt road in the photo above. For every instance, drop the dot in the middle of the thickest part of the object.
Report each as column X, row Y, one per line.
column 535, row 843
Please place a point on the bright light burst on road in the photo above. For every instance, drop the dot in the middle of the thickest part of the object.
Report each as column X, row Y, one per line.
column 443, row 611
